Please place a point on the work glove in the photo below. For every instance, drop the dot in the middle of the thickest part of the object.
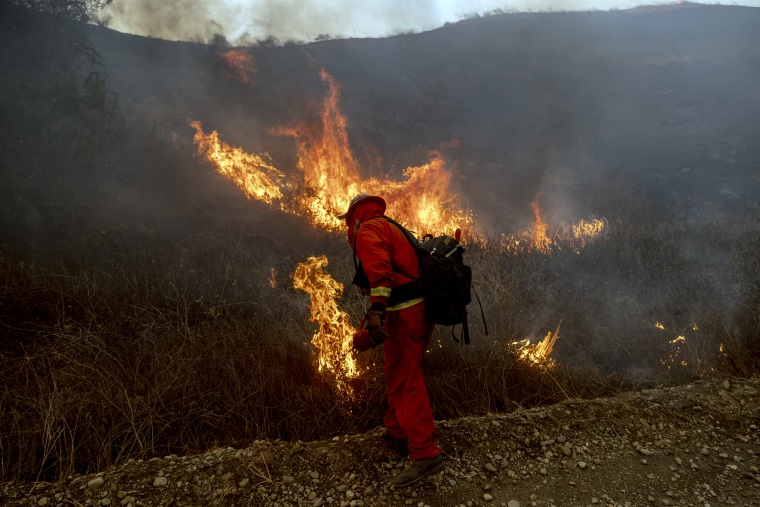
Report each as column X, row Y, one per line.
column 375, row 319
column 375, row 324
column 372, row 332
column 363, row 340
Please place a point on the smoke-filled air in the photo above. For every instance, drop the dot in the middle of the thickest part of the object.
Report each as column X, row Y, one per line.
column 176, row 276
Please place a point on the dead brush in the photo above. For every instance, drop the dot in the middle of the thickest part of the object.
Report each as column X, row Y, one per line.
column 180, row 351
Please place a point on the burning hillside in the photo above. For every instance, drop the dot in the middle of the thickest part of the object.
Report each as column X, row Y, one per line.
column 148, row 309
column 329, row 176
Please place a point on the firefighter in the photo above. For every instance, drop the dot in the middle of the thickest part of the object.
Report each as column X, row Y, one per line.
column 396, row 319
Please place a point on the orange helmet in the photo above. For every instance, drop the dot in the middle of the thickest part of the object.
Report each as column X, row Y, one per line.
column 360, row 199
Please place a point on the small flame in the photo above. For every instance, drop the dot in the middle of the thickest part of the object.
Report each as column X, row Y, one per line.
column 659, row 326
column 333, row 339
column 240, row 64
column 585, row 231
column 541, row 241
column 675, row 358
column 273, row 278
column 538, row 354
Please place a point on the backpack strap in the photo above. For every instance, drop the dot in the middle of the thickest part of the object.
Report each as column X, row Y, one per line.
column 404, row 292
column 465, row 327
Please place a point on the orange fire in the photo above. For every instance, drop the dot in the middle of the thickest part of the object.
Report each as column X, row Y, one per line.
column 333, row 339
column 240, row 64
column 252, row 173
column 585, row 231
column 561, row 236
column 328, row 176
column 422, row 201
column 273, row 278
column 541, row 241
column 537, row 354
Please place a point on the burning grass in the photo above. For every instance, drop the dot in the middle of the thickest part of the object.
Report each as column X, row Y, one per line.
column 210, row 344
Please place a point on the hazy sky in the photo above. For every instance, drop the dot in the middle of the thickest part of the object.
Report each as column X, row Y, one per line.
column 303, row 20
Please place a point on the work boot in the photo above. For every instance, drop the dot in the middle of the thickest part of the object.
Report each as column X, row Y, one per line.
column 398, row 445
column 420, row 469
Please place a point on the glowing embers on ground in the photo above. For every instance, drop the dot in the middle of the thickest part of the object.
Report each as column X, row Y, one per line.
column 697, row 354
column 329, row 176
column 537, row 354
column 333, row 339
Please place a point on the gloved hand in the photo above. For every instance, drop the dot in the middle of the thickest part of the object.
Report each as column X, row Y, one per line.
column 365, row 339
column 375, row 319
column 371, row 333
column 374, row 323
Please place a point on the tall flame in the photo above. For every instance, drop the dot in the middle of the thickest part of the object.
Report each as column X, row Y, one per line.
column 333, row 339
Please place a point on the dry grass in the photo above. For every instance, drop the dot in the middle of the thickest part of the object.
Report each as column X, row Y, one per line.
column 196, row 349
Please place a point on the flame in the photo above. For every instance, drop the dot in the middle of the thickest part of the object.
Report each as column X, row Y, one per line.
column 659, row 326
column 541, row 241
column 328, row 176
column 333, row 339
column 561, row 236
column 252, row 173
column 240, row 64
column 273, row 278
column 585, row 231
column 538, row 354
column 422, row 201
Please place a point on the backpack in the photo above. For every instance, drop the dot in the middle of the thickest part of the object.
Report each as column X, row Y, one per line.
column 445, row 281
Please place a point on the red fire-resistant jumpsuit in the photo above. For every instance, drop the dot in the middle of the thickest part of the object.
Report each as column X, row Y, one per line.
column 386, row 254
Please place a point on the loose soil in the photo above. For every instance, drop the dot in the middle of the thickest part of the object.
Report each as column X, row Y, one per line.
column 695, row 444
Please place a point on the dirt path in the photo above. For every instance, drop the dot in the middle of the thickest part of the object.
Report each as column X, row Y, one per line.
column 689, row 445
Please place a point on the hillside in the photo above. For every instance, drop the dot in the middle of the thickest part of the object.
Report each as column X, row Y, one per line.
column 663, row 101
column 690, row 445
column 609, row 161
